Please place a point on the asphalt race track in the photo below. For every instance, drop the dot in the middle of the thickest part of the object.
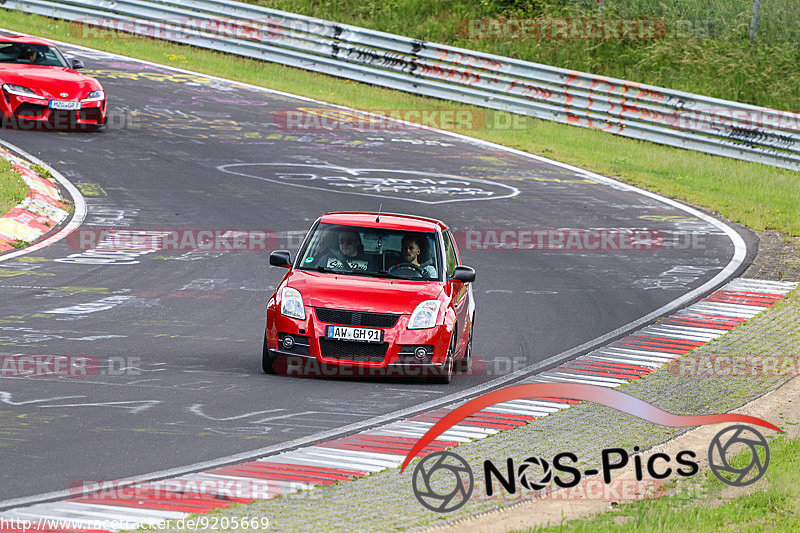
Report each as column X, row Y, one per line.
column 177, row 333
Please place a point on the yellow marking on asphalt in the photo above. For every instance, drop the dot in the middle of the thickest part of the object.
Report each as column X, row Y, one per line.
column 91, row 189
column 32, row 259
column 494, row 161
column 80, row 290
column 153, row 76
column 13, row 273
column 252, row 135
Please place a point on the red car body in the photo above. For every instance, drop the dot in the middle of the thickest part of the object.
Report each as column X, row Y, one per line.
column 385, row 303
column 46, row 90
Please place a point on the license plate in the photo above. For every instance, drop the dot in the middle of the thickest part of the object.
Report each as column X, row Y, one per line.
column 65, row 105
column 354, row 334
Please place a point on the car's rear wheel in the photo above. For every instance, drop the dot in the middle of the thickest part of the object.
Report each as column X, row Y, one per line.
column 445, row 374
column 267, row 361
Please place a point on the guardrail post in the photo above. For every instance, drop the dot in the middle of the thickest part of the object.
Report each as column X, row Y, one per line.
column 754, row 20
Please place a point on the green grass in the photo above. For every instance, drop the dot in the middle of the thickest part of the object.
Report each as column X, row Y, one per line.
column 12, row 189
column 695, row 505
column 755, row 195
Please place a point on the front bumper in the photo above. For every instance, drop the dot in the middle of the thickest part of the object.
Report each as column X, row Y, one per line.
column 23, row 112
column 312, row 353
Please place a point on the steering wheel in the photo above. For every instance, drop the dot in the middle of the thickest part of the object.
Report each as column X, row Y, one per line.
column 412, row 266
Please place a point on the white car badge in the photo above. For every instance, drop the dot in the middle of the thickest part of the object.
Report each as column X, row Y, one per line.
column 64, row 95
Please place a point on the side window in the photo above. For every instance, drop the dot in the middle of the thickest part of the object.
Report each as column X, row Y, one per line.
column 450, row 253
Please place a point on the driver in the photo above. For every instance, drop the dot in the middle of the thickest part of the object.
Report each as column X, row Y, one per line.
column 410, row 248
column 349, row 255
column 29, row 54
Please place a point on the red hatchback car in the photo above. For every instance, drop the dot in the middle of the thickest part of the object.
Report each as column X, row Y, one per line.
column 39, row 86
column 372, row 293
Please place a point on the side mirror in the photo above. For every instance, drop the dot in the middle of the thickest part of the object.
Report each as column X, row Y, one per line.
column 280, row 258
column 463, row 274
column 75, row 63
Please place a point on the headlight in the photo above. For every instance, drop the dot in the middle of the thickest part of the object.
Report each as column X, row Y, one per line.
column 95, row 96
column 19, row 90
column 292, row 304
column 425, row 315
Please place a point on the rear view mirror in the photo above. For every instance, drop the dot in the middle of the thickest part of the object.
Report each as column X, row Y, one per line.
column 75, row 63
column 280, row 258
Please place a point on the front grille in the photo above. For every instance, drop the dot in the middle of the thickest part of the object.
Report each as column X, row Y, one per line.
column 93, row 113
column 356, row 318
column 30, row 110
column 364, row 352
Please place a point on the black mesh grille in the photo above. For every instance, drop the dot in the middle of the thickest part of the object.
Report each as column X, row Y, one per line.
column 353, row 351
column 356, row 318
column 30, row 110
column 90, row 114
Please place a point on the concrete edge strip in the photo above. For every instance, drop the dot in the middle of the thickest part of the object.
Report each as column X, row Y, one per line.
column 384, row 447
column 33, row 220
column 740, row 252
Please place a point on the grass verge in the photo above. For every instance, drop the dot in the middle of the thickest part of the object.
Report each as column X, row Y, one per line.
column 12, row 189
column 696, row 505
column 758, row 196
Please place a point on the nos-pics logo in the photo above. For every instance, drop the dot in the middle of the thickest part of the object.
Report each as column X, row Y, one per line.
column 443, row 481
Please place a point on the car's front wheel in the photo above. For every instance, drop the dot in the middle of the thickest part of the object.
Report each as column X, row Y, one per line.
column 464, row 365
column 267, row 361
column 445, row 374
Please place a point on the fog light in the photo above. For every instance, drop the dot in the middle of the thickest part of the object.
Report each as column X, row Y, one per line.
column 420, row 353
column 288, row 342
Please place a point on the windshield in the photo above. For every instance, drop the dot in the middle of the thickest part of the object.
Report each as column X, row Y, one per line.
column 372, row 252
column 31, row 54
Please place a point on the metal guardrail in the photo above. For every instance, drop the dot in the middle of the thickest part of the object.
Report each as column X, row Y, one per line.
column 629, row 109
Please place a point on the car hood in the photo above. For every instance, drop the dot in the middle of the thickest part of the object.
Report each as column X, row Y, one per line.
column 378, row 295
column 50, row 81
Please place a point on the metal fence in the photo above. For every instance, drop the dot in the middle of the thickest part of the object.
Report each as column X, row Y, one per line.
column 619, row 107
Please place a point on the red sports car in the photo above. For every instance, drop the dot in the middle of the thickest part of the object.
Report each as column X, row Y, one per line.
column 39, row 86
column 369, row 294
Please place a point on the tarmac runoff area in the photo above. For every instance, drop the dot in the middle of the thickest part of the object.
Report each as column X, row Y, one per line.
column 384, row 501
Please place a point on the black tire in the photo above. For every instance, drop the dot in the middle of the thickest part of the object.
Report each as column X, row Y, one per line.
column 445, row 375
column 267, row 360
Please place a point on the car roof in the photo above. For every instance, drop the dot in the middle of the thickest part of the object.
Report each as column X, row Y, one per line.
column 387, row 220
column 23, row 39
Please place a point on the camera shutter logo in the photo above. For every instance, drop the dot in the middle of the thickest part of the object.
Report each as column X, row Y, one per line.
column 727, row 443
column 443, row 482
column 527, row 478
